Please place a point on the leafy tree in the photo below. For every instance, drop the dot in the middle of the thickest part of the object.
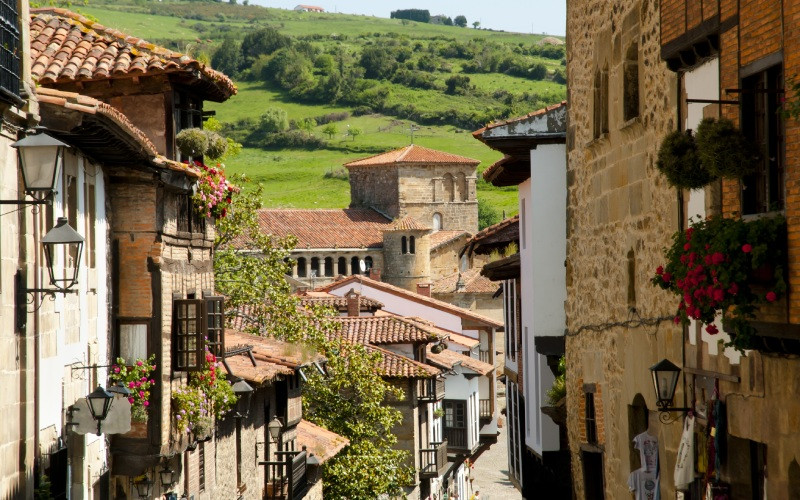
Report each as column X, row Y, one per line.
column 273, row 120
column 264, row 41
column 352, row 399
column 330, row 130
column 537, row 72
column 476, row 24
column 422, row 16
column 460, row 21
column 447, row 21
column 354, row 132
column 228, row 57
column 457, row 84
column 487, row 214
column 378, row 62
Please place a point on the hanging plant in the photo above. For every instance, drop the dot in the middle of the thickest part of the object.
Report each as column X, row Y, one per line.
column 679, row 162
column 438, row 413
column 711, row 268
column 206, row 397
column 136, row 379
column 723, row 150
column 214, row 193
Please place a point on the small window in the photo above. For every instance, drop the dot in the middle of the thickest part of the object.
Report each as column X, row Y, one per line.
column 590, row 419
column 367, row 264
column 342, row 266
column 301, row 267
column 355, row 266
column 314, row 266
column 132, row 339
column 188, row 333
column 91, row 221
column 437, row 221
column 329, row 266
column 403, row 245
column 600, row 113
column 411, row 245
column 215, row 324
column 631, row 83
column 10, row 50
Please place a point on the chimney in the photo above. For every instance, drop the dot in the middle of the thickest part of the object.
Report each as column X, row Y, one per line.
column 375, row 274
column 353, row 303
column 424, row 289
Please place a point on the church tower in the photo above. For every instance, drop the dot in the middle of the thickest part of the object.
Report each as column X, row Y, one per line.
column 406, row 253
column 435, row 188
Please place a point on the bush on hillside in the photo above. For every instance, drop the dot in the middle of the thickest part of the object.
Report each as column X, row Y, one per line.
column 292, row 139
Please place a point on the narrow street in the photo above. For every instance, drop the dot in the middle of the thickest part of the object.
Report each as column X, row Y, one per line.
column 491, row 470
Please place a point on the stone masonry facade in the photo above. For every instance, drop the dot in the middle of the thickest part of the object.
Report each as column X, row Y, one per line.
column 621, row 214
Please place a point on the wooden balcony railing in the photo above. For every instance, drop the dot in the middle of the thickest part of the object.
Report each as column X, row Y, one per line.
column 433, row 461
column 287, row 478
column 483, row 355
column 430, row 389
column 485, row 408
column 455, row 437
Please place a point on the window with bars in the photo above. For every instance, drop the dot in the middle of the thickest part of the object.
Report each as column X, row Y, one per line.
column 9, row 51
column 590, row 419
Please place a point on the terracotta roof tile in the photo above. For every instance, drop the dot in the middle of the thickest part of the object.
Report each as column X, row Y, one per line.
column 338, row 303
column 395, row 365
column 448, row 359
column 471, row 280
column 435, row 303
column 343, row 228
column 384, row 330
column 275, row 351
column 478, row 134
column 500, row 234
column 412, row 154
column 67, row 46
column 319, row 442
column 441, row 238
column 85, row 104
column 407, row 223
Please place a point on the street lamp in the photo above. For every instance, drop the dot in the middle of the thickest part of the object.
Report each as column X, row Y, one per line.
column 63, row 236
column 40, row 157
column 99, row 404
column 243, row 392
column 665, row 380
column 143, row 486
column 167, row 476
column 275, row 428
column 120, row 389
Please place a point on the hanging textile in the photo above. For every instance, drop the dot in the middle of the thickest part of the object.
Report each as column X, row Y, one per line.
column 684, row 465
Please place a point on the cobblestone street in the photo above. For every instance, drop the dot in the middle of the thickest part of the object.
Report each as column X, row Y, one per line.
column 491, row 471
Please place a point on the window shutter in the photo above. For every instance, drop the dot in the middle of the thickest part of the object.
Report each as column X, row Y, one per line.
column 189, row 329
column 215, row 324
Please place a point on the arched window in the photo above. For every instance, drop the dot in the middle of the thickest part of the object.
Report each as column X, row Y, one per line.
column 314, row 266
column 403, row 245
column 601, row 102
column 411, row 245
column 329, row 266
column 437, row 221
column 449, row 189
column 301, row 267
column 367, row 264
column 631, row 83
column 342, row 266
column 354, row 266
column 461, row 187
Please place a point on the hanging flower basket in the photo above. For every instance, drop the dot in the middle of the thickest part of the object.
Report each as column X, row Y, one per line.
column 679, row 162
column 214, row 193
column 137, row 378
column 726, row 266
column 724, row 151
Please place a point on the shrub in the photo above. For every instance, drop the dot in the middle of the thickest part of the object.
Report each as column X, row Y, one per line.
column 723, row 150
column 332, row 117
column 679, row 162
column 273, row 120
column 362, row 110
column 217, row 146
column 458, row 84
column 292, row 139
column 339, row 173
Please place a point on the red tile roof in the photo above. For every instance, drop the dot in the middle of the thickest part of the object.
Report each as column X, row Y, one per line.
column 67, row 47
column 500, row 234
column 441, row 238
column 472, row 282
column 342, row 228
column 336, row 302
column 478, row 134
column 273, row 357
column 384, row 330
column 448, row 359
column 394, row 365
column 319, row 442
column 412, row 154
column 407, row 223
column 395, row 290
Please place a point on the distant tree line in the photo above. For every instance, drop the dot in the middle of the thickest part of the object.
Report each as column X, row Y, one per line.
column 424, row 16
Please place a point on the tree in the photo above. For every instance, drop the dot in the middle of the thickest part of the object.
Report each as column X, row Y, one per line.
column 487, row 214
column 352, row 400
column 228, row 57
column 457, row 84
column 264, row 41
column 460, row 21
column 354, row 132
column 422, row 16
column 330, row 130
column 273, row 120
column 476, row 24
column 378, row 62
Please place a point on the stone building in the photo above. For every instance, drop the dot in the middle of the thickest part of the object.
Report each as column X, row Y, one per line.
column 622, row 100
column 737, row 60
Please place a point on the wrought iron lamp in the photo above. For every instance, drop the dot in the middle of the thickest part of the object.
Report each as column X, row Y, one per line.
column 244, row 392
column 143, row 486
column 275, row 428
column 99, row 404
column 665, row 379
column 167, row 476
column 40, row 158
column 63, row 236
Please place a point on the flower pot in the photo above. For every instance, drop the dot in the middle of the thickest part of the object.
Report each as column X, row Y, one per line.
column 138, row 430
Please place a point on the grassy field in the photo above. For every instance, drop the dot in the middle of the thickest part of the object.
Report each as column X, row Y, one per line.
column 296, row 178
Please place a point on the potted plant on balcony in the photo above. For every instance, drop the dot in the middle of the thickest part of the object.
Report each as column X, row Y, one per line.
column 711, row 267
column 206, row 397
column 438, row 413
column 137, row 379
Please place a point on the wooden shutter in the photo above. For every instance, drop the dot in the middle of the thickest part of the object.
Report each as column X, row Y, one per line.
column 215, row 324
column 189, row 329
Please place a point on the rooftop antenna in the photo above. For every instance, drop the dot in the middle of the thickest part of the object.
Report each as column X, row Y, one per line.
column 413, row 128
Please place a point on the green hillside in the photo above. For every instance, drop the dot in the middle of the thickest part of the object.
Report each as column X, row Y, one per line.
column 373, row 77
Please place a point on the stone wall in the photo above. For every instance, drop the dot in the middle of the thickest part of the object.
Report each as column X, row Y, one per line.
column 375, row 187
column 423, row 192
column 445, row 259
column 620, row 210
column 406, row 269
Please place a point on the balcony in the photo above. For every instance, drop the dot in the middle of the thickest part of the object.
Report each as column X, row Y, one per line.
column 430, row 389
column 484, row 355
column 433, row 461
column 456, row 437
column 485, row 409
column 286, row 479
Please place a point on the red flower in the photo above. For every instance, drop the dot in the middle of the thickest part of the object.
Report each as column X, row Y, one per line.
column 677, row 320
column 771, row 297
column 687, row 246
column 660, row 270
column 747, row 248
column 734, row 289
column 719, row 294
column 667, row 277
column 712, row 329
column 717, row 258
